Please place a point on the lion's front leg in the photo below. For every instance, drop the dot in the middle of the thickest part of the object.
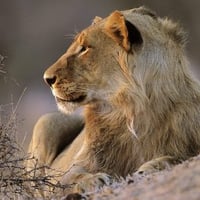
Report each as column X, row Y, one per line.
column 82, row 181
column 52, row 133
column 157, row 164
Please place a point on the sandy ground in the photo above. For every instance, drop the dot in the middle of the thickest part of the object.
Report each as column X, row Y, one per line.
column 182, row 182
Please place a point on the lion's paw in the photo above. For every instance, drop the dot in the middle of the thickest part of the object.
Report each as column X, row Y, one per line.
column 147, row 168
column 92, row 182
column 156, row 165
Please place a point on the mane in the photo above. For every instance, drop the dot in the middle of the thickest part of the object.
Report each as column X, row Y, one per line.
column 158, row 99
column 160, row 89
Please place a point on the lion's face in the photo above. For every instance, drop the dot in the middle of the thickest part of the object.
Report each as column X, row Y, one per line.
column 88, row 71
column 84, row 73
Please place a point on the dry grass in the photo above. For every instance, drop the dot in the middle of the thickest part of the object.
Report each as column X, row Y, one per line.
column 16, row 182
column 1, row 64
column 12, row 171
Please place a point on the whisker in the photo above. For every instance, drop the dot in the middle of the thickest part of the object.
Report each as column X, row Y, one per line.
column 70, row 36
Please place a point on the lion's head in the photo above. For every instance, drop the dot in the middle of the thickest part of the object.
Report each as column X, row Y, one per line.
column 121, row 60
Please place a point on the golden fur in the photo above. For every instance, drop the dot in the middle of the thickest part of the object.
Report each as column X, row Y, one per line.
column 141, row 103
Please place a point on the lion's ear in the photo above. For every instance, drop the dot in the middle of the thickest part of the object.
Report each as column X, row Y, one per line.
column 96, row 20
column 122, row 31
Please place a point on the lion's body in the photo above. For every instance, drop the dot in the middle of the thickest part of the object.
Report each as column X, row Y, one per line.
column 141, row 103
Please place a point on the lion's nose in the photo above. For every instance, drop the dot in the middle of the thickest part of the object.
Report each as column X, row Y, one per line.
column 50, row 80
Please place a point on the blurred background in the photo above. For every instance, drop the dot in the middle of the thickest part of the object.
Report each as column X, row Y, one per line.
column 33, row 34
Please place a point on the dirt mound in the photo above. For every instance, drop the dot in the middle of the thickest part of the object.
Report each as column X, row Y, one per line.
column 179, row 183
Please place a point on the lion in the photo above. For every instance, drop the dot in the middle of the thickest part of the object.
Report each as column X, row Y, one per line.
column 141, row 104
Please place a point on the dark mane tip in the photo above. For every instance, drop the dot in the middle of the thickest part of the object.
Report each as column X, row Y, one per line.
column 146, row 11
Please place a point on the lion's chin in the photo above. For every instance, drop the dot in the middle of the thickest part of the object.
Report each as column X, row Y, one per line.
column 69, row 106
column 76, row 100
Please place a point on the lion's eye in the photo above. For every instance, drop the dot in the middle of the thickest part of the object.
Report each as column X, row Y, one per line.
column 83, row 50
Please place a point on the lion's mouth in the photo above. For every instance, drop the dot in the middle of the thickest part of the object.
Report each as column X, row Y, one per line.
column 78, row 99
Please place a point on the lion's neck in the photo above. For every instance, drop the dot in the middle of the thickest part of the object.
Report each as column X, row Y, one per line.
column 106, row 129
column 104, row 119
